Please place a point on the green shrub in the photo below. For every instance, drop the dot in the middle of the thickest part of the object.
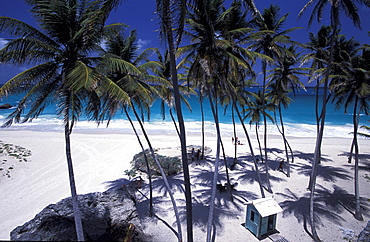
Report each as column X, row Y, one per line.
column 170, row 165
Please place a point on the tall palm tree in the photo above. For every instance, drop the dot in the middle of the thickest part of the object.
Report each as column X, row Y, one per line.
column 351, row 10
column 201, row 19
column 351, row 85
column 211, row 53
column 171, row 13
column 269, row 39
column 258, row 108
column 318, row 48
column 125, row 48
column 284, row 79
column 165, row 92
column 70, row 31
column 234, row 28
column 137, row 86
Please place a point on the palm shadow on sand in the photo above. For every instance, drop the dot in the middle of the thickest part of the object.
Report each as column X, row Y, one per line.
column 339, row 200
column 176, row 183
column 117, row 183
column 327, row 173
column 299, row 207
column 246, row 173
column 224, row 207
column 328, row 204
column 309, row 156
column 364, row 161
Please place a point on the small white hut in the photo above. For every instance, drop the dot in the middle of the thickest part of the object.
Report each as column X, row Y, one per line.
column 261, row 216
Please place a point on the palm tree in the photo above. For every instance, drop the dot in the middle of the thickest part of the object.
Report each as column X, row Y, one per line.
column 63, row 73
column 171, row 12
column 124, row 48
column 318, row 56
column 213, row 57
column 165, row 92
column 259, row 107
column 235, row 28
column 268, row 40
column 351, row 85
column 137, row 86
column 351, row 10
column 284, row 79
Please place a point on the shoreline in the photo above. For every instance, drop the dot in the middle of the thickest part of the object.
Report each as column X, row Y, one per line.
column 100, row 158
column 121, row 126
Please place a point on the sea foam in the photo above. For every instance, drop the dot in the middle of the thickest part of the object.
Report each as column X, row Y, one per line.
column 52, row 123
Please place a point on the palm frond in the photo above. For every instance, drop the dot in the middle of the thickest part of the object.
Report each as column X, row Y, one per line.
column 25, row 80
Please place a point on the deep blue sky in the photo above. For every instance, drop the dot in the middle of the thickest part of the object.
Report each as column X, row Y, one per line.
column 140, row 15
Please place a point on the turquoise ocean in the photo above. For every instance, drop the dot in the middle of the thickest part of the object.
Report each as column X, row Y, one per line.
column 299, row 119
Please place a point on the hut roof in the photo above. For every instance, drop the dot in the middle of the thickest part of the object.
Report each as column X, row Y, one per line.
column 266, row 206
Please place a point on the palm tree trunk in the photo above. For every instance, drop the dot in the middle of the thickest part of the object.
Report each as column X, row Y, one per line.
column 72, row 184
column 356, row 116
column 203, row 134
column 229, row 189
column 234, row 126
column 264, row 66
column 266, row 159
column 215, row 174
column 174, row 122
column 317, row 155
column 146, row 162
column 179, row 236
column 285, row 140
column 351, row 152
column 185, row 166
column 259, row 143
column 251, row 150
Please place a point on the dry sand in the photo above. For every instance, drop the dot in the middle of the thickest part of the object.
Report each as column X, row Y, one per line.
column 100, row 160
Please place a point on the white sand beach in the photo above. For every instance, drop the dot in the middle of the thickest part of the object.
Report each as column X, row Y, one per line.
column 100, row 158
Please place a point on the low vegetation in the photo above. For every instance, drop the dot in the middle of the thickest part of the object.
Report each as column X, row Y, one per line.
column 170, row 164
column 16, row 153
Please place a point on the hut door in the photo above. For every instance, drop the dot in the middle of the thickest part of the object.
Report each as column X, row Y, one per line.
column 270, row 223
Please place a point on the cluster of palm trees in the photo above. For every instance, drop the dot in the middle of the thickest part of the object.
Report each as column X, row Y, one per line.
column 88, row 68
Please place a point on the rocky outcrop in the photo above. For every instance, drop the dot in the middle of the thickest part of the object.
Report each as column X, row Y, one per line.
column 364, row 236
column 107, row 216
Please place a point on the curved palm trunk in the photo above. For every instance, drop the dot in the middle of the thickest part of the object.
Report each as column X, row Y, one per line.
column 234, row 130
column 146, row 163
column 179, row 236
column 264, row 66
column 259, row 143
column 356, row 117
column 203, row 134
column 321, row 124
column 251, row 150
column 229, row 189
column 318, row 120
column 286, row 143
column 215, row 174
column 351, row 152
column 185, row 166
column 266, row 159
column 72, row 184
column 174, row 122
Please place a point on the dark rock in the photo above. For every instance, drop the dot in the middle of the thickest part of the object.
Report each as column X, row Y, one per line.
column 107, row 216
column 5, row 106
column 364, row 236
